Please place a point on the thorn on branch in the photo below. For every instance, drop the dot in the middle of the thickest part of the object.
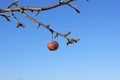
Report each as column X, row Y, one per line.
column 73, row 8
column 67, row 33
column 37, row 13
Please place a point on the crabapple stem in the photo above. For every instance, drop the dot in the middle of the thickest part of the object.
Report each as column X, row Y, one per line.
column 52, row 37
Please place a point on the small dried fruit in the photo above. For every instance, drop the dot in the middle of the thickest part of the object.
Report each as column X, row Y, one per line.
column 52, row 46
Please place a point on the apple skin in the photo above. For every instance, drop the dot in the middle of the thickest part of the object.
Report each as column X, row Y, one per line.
column 52, row 46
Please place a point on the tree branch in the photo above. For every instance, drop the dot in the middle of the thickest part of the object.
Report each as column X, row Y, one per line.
column 33, row 8
column 74, row 8
column 5, row 16
column 14, row 3
column 22, row 10
column 19, row 24
column 69, row 40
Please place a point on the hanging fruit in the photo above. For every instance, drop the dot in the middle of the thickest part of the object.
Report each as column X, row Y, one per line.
column 52, row 46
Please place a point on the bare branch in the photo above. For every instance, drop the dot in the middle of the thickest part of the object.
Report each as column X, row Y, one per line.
column 74, row 8
column 70, row 40
column 5, row 16
column 34, row 20
column 19, row 24
column 14, row 3
column 38, row 9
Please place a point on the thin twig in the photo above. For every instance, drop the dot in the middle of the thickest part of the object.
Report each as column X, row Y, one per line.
column 14, row 3
column 74, row 8
column 5, row 16
column 19, row 24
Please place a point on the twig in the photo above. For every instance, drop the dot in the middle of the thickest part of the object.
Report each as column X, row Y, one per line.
column 5, row 16
column 19, row 24
column 14, row 3
column 74, row 8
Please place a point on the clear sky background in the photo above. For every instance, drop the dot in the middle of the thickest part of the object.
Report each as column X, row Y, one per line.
column 24, row 54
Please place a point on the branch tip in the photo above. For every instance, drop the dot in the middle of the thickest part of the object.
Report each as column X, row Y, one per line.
column 13, row 4
column 5, row 16
column 20, row 25
column 69, row 32
column 71, row 41
column 78, row 11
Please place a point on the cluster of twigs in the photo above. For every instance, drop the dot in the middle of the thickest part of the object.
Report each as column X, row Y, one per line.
column 10, row 9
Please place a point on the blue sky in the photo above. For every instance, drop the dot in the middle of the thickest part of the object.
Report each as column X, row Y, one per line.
column 24, row 54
